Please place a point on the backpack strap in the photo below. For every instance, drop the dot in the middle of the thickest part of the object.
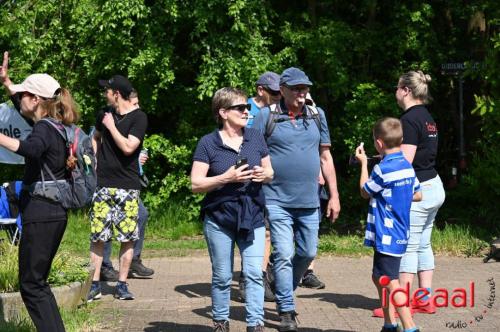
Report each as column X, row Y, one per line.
column 274, row 113
column 68, row 133
column 314, row 114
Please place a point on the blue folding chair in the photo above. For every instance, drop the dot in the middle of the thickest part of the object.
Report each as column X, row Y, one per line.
column 10, row 218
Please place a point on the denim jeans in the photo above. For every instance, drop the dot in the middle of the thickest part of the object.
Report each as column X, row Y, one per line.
column 419, row 255
column 221, row 243
column 294, row 236
column 143, row 219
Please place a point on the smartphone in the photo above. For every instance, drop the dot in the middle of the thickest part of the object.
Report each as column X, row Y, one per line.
column 241, row 161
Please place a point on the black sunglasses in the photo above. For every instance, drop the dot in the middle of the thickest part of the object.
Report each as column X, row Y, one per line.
column 272, row 92
column 240, row 107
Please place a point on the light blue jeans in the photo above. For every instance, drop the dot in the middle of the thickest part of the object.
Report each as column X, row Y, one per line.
column 221, row 243
column 419, row 255
column 294, row 236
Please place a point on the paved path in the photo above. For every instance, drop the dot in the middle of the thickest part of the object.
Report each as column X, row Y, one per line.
column 178, row 298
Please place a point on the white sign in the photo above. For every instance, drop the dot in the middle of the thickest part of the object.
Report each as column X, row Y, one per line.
column 12, row 124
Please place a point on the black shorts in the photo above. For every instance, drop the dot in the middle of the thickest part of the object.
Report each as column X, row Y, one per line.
column 385, row 265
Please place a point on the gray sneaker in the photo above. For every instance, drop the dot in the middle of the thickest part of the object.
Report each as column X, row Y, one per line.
column 137, row 269
column 108, row 274
column 221, row 326
column 310, row 280
column 288, row 321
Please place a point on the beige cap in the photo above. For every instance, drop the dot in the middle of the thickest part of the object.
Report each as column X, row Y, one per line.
column 42, row 85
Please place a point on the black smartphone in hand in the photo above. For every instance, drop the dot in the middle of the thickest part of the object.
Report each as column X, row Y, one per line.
column 241, row 161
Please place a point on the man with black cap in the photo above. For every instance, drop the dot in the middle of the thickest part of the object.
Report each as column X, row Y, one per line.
column 137, row 268
column 117, row 141
column 292, row 200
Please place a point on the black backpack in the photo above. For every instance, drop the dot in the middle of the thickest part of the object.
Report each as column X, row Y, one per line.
column 274, row 118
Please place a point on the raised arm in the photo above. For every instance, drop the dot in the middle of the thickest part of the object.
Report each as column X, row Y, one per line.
column 126, row 144
column 363, row 162
column 4, row 73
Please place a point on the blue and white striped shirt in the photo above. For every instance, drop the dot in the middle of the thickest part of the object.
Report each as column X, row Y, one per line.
column 391, row 186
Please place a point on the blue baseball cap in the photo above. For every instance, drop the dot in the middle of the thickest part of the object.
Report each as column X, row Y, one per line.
column 294, row 76
column 269, row 80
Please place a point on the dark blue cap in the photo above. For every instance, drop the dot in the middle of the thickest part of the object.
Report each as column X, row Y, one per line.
column 269, row 80
column 294, row 76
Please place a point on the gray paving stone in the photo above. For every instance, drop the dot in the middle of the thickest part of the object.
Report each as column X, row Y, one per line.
column 177, row 298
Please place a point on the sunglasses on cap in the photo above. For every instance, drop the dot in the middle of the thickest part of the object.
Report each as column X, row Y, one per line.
column 240, row 107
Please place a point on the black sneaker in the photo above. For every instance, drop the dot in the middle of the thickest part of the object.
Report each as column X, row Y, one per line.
column 95, row 292
column 268, row 292
column 257, row 328
column 241, row 288
column 288, row 321
column 122, row 293
column 137, row 269
column 108, row 274
column 221, row 326
column 310, row 280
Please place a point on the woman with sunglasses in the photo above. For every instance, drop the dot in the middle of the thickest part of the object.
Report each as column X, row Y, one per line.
column 44, row 221
column 420, row 143
column 230, row 164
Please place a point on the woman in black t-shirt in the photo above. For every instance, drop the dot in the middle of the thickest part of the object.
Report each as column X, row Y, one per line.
column 43, row 221
column 420, row 142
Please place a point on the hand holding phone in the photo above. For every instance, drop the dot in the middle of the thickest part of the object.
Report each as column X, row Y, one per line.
column 241, row 161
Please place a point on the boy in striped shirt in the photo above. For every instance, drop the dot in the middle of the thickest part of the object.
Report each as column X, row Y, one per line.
column 391, row 188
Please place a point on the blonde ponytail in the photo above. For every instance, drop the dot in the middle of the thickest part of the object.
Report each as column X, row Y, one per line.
column 63, row 107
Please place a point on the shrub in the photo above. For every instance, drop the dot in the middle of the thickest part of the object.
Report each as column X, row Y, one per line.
column 65, row 269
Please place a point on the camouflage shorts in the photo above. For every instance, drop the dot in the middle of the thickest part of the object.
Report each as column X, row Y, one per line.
column 114, row 211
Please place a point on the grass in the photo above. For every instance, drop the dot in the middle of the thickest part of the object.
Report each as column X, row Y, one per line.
column 78, row 320
column 451, row 240
column 65, row 269
column 460, row 240
column 168, row 233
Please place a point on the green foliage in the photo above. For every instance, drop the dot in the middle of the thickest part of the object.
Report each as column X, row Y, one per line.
column 367, row 105
column 178, row 53
column 65, row 269
column 169, row 166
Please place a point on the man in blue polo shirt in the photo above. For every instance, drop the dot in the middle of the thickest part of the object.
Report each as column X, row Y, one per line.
column 292, row 197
